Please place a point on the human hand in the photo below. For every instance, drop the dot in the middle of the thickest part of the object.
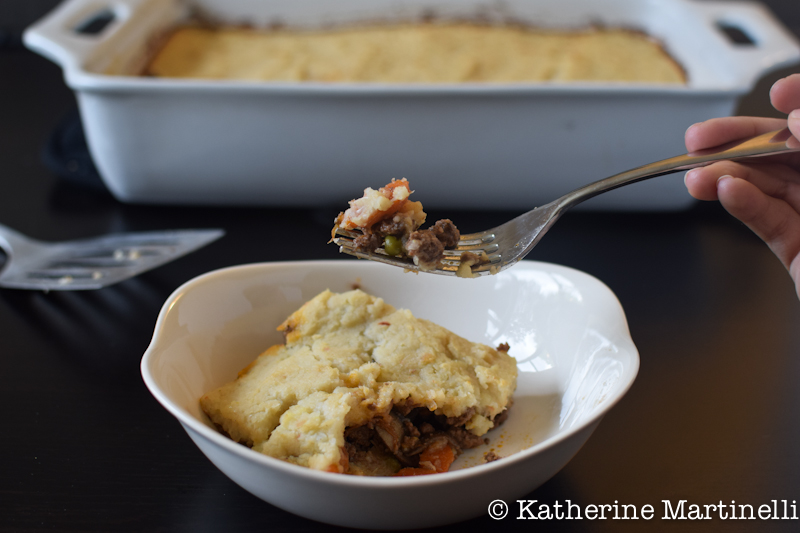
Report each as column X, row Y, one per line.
column 765, row 195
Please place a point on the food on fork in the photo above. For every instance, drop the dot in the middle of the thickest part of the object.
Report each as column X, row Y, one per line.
column 387, row 218
column 361, row 388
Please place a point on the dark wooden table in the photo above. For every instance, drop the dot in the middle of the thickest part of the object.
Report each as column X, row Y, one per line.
column 713, row 415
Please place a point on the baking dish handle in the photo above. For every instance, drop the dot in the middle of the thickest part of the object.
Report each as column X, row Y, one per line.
column 66, row 35
column 771, row 46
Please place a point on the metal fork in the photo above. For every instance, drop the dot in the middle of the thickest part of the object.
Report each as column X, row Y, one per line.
column 92, row 263
column 504, row 245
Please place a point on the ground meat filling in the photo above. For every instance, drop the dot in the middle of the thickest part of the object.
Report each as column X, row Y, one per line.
column 425, row 249
column 502, row 417
column 372, row 238
column 396, row 440
column 446, row 232
column 490, row 457
column 391, row 226
column 367, row 242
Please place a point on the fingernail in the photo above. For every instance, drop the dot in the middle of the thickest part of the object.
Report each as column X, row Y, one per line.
column 689, row 174
column 692, row 126
column 794, row 115
column 724, row 177
column 774, row 85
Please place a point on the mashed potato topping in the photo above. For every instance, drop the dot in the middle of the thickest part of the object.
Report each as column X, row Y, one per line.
column 362, row 388
column 454, row 52
column 377, row 205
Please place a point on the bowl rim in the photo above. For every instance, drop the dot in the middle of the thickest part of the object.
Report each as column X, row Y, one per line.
column 191, row 422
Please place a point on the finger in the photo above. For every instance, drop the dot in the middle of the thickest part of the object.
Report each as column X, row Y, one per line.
column 702, row 183
column 774, row 179
column 785, row 94
column 794, row 127
column 777, row 223
column 719, row 131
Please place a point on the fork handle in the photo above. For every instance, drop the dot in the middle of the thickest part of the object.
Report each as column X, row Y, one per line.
column 774, row 142
column 11, row 239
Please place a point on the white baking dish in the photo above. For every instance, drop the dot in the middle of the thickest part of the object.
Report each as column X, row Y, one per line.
column 490, row 146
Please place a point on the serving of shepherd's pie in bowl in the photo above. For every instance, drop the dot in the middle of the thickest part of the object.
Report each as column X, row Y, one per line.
column 376, row 372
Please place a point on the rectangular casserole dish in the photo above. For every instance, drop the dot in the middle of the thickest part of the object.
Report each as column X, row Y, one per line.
column 173, row 141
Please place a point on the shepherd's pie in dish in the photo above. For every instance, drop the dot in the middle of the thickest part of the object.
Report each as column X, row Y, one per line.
column 361, row 388
column 432, row 52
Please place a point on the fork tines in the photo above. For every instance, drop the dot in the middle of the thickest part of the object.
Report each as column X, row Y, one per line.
column 449, row 265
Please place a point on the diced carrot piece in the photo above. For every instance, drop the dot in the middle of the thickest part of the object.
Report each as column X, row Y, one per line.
column 393, row 185
column 440, row 457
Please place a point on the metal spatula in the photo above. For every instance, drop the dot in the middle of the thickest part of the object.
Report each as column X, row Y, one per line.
column 92, row 263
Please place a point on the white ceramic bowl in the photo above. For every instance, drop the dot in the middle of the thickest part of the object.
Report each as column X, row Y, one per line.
column 565, row 328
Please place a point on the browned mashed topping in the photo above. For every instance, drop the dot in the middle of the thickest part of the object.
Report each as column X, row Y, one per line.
column 434, row 52
column 361, row 388
column 386, row 218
